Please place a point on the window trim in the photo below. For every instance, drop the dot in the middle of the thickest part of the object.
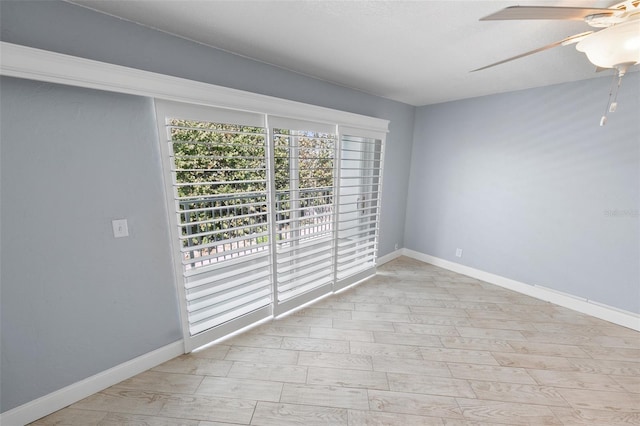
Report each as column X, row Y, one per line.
column 42, row 65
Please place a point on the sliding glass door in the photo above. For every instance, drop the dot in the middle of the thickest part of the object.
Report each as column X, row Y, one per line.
column 358, row 206
column 218, row 184
column 304, row 226
column 267, row 212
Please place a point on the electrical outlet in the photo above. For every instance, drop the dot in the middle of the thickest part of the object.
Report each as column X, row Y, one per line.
column 120, row 228
column 459, row 252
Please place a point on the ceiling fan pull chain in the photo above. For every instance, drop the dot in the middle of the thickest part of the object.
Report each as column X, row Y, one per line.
column 614, row 104
column 603, row 120
column 613, row 93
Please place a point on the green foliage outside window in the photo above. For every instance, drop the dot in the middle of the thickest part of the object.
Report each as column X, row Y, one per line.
column 221, row 174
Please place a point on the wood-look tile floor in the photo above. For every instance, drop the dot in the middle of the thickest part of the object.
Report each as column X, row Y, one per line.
column 415, row 345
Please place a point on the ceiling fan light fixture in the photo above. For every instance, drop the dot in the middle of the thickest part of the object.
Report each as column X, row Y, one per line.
column 632, row 43
column 613, row 46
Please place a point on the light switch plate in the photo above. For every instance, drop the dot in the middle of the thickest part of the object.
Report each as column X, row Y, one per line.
column 120, row 228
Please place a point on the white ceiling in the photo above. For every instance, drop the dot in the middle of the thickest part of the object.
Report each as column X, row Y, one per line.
column 417, row 52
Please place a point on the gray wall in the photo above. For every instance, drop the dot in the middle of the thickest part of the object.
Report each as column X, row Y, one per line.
column 531, row 188
column 75, row 301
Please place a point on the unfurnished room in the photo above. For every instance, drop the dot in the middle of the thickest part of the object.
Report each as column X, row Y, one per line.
column 319, row 212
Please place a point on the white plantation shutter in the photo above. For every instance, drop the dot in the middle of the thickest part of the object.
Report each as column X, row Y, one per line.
column 304, row 168
column 358, row 204
column 267, row 212
column 218, row 163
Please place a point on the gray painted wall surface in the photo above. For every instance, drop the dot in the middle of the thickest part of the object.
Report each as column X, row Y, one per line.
column 91, row 302
column 532, row 189
column 75, row 300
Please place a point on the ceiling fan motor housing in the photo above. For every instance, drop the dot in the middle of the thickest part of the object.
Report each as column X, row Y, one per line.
column 603, row 20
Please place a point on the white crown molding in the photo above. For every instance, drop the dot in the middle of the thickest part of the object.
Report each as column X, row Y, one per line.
column 42, row 65
column 579, row 304
column 61, row 398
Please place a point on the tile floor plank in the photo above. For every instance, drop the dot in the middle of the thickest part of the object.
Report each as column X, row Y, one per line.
column 229, row 387
column 629, row 383
column 472, row 343
column 380, row 316
column 510, row 413
column 363, row 325
column 72, row 417
column 121, row 400
column 272, row 372
column 209, row 408
column 571, row 416
column 272, row 414
column 187, row 364
column 315, row 345
column 432, row 329
column 575, row 380
column 117, row 419
column 458, row 355
column 549, row 349
column 616, row 354
column 325, row 313
column 379, row 418
column 415, row 404
column 348, row 361
column 540, row 362
column 406, row 339
column 259, row 355
column 337, row 334
column 347, row 378
column 441, row 320
column 491, row 373
column 158, row 381
column 277, row 328
column 410, row 366
column 430, row 385
column 211, row 352
column 383, row 349
column 255, row 340
column 601, row 400
column 601, row 366
column 515, row 392
column 490, row 333
column 325, row 396
column 375, row 307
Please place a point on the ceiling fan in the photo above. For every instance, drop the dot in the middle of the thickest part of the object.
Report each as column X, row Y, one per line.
column 616, row 45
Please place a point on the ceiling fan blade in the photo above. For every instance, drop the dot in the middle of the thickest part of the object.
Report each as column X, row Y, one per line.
column 564, row 41
column 546, row 12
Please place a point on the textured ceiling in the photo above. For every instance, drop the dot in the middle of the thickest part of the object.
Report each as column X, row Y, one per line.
column 417, row 52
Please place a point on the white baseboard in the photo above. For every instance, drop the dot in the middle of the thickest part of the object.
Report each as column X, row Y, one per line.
column 59, row 399
column 389, row 257
column 595, row 309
